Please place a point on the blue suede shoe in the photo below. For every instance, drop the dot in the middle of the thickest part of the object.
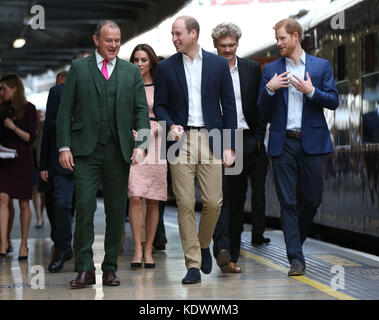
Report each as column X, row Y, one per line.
column 192, row 276
column 206, row 261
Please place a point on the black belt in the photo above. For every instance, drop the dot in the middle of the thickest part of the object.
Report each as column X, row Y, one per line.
column 293, row 134
column 195, row 128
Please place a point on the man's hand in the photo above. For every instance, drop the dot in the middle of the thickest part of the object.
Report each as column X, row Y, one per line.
column 138, row 156
column 279, row 81
column 228, row 158
column 44, row 174
column 135, row 135
column 176, row 131
column 66, row 160
column 305, row 87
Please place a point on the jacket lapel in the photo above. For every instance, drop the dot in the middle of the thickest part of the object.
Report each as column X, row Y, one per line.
column 205, row 73
column 179, row 69
column 93, row 69
column 283, row 68
column 121, row 74
column 244, row 84
column 308, row 66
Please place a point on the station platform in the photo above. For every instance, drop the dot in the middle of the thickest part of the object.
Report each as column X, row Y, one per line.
column 333, row 272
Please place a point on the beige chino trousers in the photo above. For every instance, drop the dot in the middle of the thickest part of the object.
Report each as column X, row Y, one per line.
column 196, row 160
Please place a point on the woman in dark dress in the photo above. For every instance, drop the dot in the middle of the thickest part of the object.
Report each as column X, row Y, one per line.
column 18, row 130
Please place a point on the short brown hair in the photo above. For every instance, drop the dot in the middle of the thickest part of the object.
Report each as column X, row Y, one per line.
column 291, row 26
column 152, row 57
column 191, row 24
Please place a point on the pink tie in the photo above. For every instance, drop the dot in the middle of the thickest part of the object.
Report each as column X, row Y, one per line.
column 104, row 69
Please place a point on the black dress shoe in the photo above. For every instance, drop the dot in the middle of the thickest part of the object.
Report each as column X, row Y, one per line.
column 83, row 280
column 192, row 276
column 297, row 268
column 110, row 279
column 58, row 261
column 260, row 239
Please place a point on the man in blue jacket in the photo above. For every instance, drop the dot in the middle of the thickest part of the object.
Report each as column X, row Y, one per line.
column 62, row 182
column 294, row 91
column 189, row 87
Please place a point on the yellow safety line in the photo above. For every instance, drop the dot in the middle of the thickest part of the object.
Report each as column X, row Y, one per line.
column 315, row 284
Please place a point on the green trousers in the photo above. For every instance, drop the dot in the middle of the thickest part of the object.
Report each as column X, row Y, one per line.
column 107, row 165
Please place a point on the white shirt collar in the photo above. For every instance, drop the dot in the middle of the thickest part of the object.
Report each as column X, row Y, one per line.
column 235, row 66
column 199, row 54
column 100, row 59
column 302, row 58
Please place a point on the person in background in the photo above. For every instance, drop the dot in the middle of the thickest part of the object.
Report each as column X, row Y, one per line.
column 16, row 175
column 246, row 75
column 147, row 180
column 61, row 182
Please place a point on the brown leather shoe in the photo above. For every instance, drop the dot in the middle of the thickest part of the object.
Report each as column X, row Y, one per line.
column 223, row 259
column 83, row 280
column 110, row 279
column 231, row 268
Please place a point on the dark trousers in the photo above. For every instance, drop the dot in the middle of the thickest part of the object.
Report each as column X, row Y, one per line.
column 221, row 232
column 63, row 194
column 161, row 232
column 293, row 165
column 107, row 165
column 254, row 168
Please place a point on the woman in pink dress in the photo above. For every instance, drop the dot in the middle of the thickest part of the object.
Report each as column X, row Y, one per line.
column 147, row 180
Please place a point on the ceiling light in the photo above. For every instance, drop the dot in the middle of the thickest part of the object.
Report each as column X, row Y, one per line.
column 19, row 43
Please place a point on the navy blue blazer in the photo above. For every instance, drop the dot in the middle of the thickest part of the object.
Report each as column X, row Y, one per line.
column 171, row 93
column 315, row 136
column 49, row 159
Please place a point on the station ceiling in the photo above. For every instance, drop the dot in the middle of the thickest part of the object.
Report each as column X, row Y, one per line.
column 68, row 28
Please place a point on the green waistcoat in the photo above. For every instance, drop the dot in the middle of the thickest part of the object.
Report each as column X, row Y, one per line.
column 107, row 106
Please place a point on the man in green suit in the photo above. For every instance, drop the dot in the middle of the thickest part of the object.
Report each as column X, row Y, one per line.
column 103, row 100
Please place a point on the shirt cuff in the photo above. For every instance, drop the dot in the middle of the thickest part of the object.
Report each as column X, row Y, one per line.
column 64, row 149
column 271, row 93
column 310, row 96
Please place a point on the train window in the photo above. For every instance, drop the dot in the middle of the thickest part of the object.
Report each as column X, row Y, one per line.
column 342, row 115
column 340, row 62
column 370, row 57
column 370, row 102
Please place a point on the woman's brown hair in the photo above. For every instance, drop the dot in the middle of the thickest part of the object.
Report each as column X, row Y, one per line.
column 152, row 57
column 19, row 100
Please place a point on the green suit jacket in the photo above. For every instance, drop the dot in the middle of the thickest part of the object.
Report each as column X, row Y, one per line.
column 78, row 116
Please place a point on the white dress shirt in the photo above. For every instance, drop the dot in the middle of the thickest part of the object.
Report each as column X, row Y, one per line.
column 193, row 71
column 110, row 64
column 241, row 121
column 295, row 97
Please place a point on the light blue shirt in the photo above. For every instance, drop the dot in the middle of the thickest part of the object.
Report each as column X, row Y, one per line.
column 295, row 97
